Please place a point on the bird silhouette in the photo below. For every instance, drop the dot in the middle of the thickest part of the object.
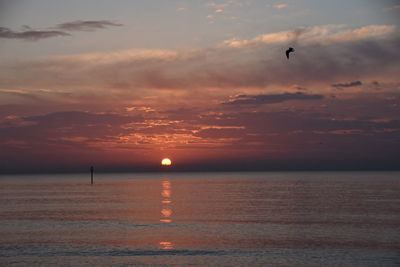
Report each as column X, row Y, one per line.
column 290, row 50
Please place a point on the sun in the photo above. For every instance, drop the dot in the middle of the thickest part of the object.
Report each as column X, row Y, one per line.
column 166, row 162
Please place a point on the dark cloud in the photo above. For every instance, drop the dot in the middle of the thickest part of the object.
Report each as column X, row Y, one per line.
column 30, row 34
column 346, row 85
column 221, row 133
column 52, row 128
column 86, row 25
column 271, row 98
column 308, row 122
column 80, row 118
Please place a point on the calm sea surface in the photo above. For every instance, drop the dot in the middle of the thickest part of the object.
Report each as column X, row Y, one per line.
column 202, row 219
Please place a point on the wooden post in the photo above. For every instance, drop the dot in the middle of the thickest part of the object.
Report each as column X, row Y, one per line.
column 91, row 175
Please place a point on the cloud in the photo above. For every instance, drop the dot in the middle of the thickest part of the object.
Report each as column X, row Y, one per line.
column 220, row 7
column 13, row 121
column 220, row 69
column 30, row 34
column 225, row 133
column 346, row 85
column 338, row 131
column 181, row 9
column 86, row 25
column 131, row 55
column 79, row 119
column 392, row 8
column 326, row 34
column 271, row 98
column 53, row 129
column 280, row 6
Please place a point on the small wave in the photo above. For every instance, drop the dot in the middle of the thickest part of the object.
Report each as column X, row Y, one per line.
column 46, row 252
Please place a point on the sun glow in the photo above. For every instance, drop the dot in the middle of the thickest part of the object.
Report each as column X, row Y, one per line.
column 166, row 162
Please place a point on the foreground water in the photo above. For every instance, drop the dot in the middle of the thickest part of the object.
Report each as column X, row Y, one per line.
column 204, row 219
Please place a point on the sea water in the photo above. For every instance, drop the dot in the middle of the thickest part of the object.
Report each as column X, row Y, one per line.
column 201, row 219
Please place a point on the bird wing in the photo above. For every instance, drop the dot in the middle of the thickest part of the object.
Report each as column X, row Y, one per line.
column 287, row 53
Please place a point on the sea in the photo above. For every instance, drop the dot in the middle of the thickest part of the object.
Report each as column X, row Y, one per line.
column 201, row 219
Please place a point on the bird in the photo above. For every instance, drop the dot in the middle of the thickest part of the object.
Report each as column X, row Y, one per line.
column 290, row 50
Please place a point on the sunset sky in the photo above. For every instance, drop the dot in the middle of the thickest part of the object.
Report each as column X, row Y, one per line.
column 123, row 84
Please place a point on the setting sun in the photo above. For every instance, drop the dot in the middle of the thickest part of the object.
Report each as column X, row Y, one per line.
column 166, row 162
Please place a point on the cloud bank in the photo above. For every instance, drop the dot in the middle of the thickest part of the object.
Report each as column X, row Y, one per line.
column 222, row 67
column 326, row 34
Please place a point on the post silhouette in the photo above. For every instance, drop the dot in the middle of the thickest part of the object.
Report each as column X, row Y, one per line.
column 91, row 174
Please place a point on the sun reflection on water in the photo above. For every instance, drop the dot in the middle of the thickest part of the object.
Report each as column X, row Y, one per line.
column 165, row 245
column 166, row 210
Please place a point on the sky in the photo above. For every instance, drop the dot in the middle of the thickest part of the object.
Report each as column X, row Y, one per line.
column 122, row 84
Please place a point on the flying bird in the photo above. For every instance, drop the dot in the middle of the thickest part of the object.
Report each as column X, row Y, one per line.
column 290, row 50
